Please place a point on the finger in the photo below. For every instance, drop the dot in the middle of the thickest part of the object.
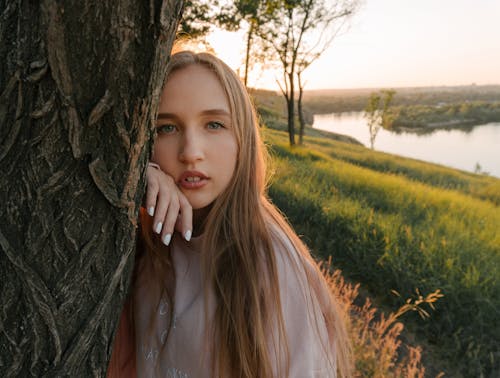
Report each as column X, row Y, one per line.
column 152, row 190
column 178, row 224
column 162, row 204
column 186, row 217
column 170, row 218
column 151, row 198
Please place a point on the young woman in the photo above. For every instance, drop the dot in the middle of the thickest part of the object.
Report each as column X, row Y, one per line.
column 223, row 287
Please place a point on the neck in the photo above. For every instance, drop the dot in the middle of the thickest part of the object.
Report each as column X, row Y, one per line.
column 199, row 217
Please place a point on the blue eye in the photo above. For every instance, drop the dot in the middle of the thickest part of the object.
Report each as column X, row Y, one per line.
column 165, row 129
column 215, row 125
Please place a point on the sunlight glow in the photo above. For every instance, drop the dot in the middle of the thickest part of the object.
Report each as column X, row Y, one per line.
column 393, row 43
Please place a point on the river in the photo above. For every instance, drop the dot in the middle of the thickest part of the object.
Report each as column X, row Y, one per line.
column 461, row 149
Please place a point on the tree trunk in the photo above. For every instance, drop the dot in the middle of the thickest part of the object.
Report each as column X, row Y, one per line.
column 79, row 84
column 247, row 54
column 302, row 121
column 291, row 111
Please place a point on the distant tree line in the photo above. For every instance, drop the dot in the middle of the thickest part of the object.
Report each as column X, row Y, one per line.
column 380, row 113
column 348, row 100
column 443, row 115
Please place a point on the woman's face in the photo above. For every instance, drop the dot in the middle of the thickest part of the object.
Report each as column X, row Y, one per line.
column 196, row 144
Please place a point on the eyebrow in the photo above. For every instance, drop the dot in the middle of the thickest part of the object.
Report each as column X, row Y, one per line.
column 219, row 112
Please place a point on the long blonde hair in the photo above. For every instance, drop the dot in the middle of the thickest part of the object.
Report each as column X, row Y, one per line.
column 242, row 231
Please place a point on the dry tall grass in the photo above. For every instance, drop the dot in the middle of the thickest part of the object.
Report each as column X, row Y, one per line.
column 377, row 346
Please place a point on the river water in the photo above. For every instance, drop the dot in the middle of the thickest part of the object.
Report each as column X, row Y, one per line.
column 461, row 149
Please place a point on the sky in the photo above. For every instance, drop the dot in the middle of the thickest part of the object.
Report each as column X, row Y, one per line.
column 399, row 43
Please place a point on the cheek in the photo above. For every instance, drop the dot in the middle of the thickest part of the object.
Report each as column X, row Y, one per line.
column 154, row 153
column 163, row 155
column 157, row 152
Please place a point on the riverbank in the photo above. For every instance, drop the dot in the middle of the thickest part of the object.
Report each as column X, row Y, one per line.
column 414, row 110
column 468, row 148
column 472, row 148
column 425, row 119
column 465, row 125
column 354, row 100
column 271, row 110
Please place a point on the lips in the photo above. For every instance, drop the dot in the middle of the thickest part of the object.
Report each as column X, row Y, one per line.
column 192, row 180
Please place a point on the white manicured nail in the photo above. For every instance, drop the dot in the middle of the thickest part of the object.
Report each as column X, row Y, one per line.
column 166, row 239
column 151, row 211
column 187, row 235
column 158, row 227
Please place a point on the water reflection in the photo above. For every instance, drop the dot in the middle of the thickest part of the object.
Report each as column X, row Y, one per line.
column 458, row 148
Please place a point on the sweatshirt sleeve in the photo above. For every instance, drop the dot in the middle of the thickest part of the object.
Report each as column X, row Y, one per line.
column 307, row 336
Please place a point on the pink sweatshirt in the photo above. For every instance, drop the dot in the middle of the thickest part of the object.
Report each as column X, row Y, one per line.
column 186, row 352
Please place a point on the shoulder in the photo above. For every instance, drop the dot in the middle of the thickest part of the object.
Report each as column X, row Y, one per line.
column 301, row 292
column 296, row 267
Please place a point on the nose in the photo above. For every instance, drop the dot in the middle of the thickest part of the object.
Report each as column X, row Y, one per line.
column 191, row 149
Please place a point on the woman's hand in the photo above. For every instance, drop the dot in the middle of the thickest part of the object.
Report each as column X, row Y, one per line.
column 167, row 205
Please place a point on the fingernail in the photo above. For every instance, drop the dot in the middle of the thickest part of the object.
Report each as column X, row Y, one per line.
column 151, row 211
column 158, row 227
column 166, row 239
column 187, row 235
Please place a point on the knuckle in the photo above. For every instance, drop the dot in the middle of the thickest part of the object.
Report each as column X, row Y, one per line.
column 152, row 185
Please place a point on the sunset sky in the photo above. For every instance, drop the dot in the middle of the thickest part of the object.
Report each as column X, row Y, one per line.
column 400, row 43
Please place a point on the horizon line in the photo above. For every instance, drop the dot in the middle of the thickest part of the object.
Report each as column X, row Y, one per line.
column 387, row 87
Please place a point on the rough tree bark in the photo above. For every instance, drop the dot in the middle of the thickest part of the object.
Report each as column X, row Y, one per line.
column 290, row 106
column 300, row 109
column 247, row 53
column 79, row 81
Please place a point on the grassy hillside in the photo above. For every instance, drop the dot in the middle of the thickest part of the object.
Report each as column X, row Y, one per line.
column 397, row 224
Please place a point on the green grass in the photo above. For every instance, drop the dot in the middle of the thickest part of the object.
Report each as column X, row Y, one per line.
column 399, row 224
column 479, row 186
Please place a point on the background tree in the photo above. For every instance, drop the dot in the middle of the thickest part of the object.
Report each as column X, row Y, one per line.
column 255, row 14
column 197, row 18
column 377, row 112
column 302, row 66
column 79, row 84
column 333, row 21
column 302, row 121
column 297, row 35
